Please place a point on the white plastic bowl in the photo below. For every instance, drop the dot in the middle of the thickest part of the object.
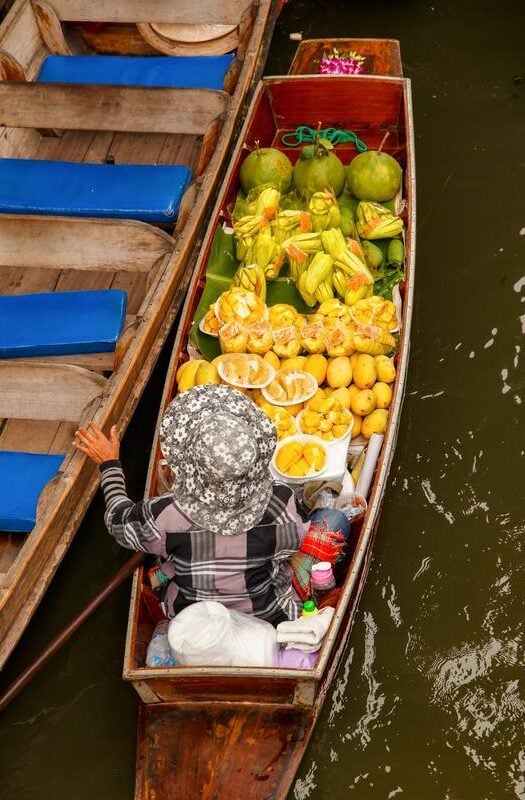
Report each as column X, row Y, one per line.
column 270, row 372
column 303, row 438
column 313, row 384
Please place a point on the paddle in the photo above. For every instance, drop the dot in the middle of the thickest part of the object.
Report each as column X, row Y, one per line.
column 54, row 646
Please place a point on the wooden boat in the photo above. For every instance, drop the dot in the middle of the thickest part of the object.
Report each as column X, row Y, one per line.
column 379, row 56
column 225, row 733
column 87, row 122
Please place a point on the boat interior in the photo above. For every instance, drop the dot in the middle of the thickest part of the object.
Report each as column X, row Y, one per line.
column 370, row 107
column 84, row 134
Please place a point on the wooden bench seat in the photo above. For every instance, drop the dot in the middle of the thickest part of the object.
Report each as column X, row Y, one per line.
column 196, row 72
column 22, row 478
column 148, row 193
column 60, row 323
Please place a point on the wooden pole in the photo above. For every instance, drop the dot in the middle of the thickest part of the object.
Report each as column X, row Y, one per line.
column 122, row 574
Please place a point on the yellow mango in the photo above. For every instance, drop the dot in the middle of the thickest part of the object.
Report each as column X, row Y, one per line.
column 187, row 379
column 339, row 372
column 295, row 363
column 206, row 373
column 364, row 373
column 272, row 359
column 344, row 395
column 314, row 455
column 386, row 370
column 299, row 469
column 375, row 422
column 317, row 366
column 288, row 455
column 363, row 402
column 383, row 394
column 356, row 428
column 353, row 359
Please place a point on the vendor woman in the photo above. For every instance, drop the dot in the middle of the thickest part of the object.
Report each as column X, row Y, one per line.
column 225, row 531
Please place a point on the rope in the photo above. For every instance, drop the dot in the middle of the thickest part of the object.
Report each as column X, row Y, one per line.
column 305, row 135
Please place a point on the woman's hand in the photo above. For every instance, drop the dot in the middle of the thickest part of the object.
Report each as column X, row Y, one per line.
column 96, row 445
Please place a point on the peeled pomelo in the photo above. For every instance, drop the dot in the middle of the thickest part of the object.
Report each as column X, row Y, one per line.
column 373, row 175
column 266, row 165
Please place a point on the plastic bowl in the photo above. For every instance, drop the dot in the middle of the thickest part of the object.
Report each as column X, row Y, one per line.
column 347, row 435
column 269, row 371
column 204, row 331
column 303, row 438
column 313, row 388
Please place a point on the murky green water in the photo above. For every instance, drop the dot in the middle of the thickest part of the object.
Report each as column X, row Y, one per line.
column 429, row 702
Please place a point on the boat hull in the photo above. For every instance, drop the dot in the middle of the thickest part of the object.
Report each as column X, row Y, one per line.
column 244, row 700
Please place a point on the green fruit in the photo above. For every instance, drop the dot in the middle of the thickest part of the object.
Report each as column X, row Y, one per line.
column 266, row 165
column 374, row 176
column 317, row 171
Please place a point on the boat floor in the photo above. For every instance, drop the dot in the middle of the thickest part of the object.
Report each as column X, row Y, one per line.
column 217, row 750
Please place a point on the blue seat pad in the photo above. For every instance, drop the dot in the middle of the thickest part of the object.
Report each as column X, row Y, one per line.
column 22, row 478
column 195, row 72
column 60, row 323
column 124, row 191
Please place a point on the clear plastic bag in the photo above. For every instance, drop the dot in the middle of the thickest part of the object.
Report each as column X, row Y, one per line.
column 209, row 634
column 159, row 652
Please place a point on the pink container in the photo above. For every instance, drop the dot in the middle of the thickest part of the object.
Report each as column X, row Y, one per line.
column 322, row 575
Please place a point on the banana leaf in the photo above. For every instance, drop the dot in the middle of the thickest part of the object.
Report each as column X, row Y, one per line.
column 219, row 274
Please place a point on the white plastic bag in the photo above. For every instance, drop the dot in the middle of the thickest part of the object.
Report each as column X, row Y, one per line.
column 209, row 634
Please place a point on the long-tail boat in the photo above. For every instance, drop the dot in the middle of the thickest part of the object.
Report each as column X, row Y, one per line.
column 223, row 733
column 116, row 121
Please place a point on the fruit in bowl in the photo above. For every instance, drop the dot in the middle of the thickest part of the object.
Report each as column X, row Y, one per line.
column 300, row 457
column 290, row 387
column 326, row 418
column 246, row 370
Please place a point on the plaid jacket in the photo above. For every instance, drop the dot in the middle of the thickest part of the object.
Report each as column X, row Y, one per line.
column 249, row 572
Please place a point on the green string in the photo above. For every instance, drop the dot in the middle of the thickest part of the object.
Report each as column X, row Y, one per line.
column 305, row 135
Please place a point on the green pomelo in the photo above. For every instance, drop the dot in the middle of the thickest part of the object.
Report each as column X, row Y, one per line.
column 316, row 174
column 374, row 176
column 266, row 165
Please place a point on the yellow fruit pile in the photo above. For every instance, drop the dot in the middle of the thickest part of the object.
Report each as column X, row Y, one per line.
column 325, row 417
column 281, row 418
column 300, row 460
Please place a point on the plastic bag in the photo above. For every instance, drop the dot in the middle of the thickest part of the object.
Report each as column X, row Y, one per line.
column 209, row 634
column 159, row 652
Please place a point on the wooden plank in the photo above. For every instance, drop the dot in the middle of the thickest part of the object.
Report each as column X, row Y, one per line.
column 10, row 546
column 24, row 281
column 116, row 108
column 46, row 391
column 243, row 750
column 28, row 435
column 51, row 243
column 50, row 29
column 227, row 12
column 10, row 68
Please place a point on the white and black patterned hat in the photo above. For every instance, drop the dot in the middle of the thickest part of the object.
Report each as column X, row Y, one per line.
column 219, row 445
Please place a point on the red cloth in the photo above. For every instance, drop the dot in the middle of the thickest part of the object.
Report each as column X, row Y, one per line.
column 320, row 544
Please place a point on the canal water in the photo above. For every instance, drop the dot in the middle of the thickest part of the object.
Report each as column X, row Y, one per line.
column 429, row 701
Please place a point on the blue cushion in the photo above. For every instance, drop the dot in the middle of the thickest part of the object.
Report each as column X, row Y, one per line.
column 125, row 191
column 60, row 323
column 195, row 72
column 22, row 478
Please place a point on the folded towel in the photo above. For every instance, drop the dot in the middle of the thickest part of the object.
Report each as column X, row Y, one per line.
column 305, row 633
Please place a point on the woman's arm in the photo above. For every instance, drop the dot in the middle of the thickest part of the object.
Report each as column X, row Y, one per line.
column 132, row 525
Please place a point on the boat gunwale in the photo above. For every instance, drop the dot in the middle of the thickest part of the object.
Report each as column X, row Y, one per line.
column 319, row 674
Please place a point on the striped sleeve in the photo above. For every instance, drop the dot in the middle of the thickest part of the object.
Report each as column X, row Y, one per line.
column 132, row 525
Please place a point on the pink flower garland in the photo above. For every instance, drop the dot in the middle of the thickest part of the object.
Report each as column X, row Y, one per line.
column 335, row 63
